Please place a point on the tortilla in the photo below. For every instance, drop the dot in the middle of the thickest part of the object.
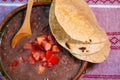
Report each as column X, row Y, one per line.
column 93, row 53
column 69, row 43
column 78, row 21
column 97, row 57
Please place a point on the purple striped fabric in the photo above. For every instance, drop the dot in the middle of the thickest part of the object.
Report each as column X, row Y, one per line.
column 13, row 1
column 107, row 13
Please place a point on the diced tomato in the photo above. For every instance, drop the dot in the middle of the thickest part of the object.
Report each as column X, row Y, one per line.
column 14, row 64
column 53, row 59
column 40, row 39
column 43, row 50
column 45, row 63
column 28, row 46
column 51, row 39
column 36, row 46
column 41, row 69
column 31, row 60
column 49, row 65
column 55, row 49
column 36, row 55
column 45, row 36
column 34, row 43
column 42, row 56
column 47, row 46
column 49, row 54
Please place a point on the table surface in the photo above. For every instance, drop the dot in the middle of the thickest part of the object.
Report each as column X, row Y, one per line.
column 107, row 13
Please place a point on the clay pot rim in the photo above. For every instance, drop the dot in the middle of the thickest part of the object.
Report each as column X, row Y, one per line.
column 84, row 65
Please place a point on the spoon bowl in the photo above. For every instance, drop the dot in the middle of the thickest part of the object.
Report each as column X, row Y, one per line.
column 25, row 30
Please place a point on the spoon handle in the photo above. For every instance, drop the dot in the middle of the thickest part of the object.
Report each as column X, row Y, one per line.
column 28, row 12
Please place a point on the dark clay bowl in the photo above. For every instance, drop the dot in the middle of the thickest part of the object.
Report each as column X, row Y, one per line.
column 39, row 18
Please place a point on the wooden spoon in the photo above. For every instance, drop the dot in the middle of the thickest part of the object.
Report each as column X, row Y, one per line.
column 25, row 30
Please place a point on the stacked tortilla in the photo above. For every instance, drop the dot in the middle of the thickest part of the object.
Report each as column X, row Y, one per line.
column 75, row 27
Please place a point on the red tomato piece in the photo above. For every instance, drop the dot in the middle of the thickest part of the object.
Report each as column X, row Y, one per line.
column 42, row 56
column 53, row 60
column 55, row 49
column 41, row 69
column 49, row 65
column 44, row 63
column 15, row 63
column 40, row 39
column 47, row 46
column 36, row 55
column 36, row 46
column 31, row 60
column 51, row 39
column 51, row 57
column 49, row 54
column 45, row 36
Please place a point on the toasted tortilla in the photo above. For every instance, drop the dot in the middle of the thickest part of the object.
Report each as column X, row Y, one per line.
column 94, row 50
column 78, row 21
column 97, row 57
column 66, row 41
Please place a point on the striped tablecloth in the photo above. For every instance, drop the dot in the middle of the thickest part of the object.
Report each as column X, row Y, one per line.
column 108, row 16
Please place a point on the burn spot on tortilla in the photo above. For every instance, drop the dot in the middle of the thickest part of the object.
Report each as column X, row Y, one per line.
column 86, row 42
column 90, row 40
column 82, row 49
column 67, row 45
column 87, row 50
